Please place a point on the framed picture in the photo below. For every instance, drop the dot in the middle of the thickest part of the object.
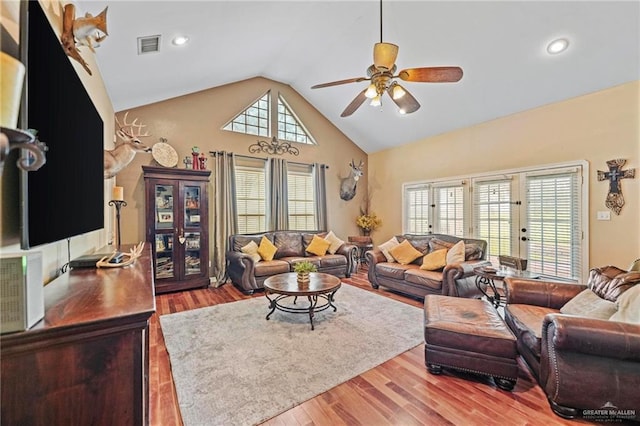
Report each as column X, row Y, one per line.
column 165, row 217
column 194, row 218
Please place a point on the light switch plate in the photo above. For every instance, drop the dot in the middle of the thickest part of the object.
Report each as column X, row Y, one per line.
column 604, row 215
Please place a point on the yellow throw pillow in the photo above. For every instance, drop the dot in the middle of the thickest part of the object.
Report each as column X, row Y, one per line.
column 318, row 246
column 334, row 242
column 456, row 253
column 404, row 253
column 434, row 260
column 252, row 250
column 266, row 250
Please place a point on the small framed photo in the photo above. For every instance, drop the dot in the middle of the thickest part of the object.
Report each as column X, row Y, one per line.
column 165, row 217
column 194, row 218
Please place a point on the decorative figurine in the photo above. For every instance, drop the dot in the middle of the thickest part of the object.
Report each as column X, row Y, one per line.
column 187, row 162
column 195, row 152
column 203, row 161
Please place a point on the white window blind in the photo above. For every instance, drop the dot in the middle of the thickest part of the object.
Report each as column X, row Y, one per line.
column 449, row 210
column 251, row 199
column 553, row 224
column 417, row 209
column 302, row 201
column 492, row 216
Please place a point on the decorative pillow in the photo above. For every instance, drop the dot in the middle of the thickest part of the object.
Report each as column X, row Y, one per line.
column 334, row 242
column 628, row 306
column 404, row 253
column 289, row 244
column 434, row 260
column 438, row 244
column 252, row 250
column 318, row 246
column 472, row 251
column 590, row 305
column 610, row 282
column 456, row 253
column 385, row 247
column 266, row 249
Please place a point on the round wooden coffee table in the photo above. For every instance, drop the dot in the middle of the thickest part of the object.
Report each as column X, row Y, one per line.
column 320, row 286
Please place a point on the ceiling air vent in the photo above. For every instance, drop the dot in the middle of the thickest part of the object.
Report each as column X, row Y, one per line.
column 148, row 44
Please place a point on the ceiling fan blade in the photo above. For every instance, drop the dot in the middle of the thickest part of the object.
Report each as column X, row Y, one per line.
column 355, row 104
column 336, row 83
column 432, row 74
column 407, row 103
column 384, row 55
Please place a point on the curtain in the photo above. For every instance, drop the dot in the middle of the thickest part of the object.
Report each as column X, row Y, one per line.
column 278, row 197
column 224, row 212
column 321, row 196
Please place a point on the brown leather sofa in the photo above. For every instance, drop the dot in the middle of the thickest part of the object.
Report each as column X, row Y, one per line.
column 582, row 362
column 454, row 280
column 249, row 276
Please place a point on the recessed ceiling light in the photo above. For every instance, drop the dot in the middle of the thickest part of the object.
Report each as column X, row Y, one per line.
column 557, row 46
column 180, row 40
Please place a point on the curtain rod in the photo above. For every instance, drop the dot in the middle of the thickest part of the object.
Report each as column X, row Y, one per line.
column 214, row 153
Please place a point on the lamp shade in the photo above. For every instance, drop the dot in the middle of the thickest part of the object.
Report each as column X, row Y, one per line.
column 11, row 76
column 384, row 55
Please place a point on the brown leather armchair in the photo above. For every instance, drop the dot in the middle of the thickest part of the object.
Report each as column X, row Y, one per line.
column 581, row 363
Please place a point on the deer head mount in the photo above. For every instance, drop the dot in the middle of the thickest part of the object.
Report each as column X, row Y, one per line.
column 129, row 145
column 348, row 184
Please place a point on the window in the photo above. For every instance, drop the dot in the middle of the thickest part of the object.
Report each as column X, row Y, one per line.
column 251, row 199
column 536, row 214
column 449, row 210
column 302, row 201
column 289, row 126
column 254, row 120
column 258, row 119
column 417, row 209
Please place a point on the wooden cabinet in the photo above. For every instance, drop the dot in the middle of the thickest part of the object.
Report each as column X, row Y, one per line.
column 177, row 226
column 86, row 362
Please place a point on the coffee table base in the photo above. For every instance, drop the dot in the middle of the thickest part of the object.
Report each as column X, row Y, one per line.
column 274, row 303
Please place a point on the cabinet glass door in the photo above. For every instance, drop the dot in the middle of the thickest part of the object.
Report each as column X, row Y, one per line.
column 192, row 253
column 164, row 206
column 192, row 207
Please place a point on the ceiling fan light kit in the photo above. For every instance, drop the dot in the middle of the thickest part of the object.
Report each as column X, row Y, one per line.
column 382, row 77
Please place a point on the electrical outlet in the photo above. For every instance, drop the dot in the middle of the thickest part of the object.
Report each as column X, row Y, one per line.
column 603, row 215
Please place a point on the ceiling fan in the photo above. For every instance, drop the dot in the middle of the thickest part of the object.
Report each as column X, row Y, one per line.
column 382, row 75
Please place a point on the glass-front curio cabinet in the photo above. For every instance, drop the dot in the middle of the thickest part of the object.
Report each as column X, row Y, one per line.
column 177, row 226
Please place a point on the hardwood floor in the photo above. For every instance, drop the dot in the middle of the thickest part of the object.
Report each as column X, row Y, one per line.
column 398, row 392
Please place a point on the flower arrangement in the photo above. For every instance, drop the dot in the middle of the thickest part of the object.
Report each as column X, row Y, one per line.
column 368, row 222
column 304, row 267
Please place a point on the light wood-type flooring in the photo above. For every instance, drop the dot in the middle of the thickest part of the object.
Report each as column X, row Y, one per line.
column 398, row 392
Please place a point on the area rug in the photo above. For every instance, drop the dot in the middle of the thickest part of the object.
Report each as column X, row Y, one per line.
column 233, row 367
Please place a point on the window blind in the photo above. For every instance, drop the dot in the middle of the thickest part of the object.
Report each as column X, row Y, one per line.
column 449, row 210
column 492, row 216
column 417, row 209
column 251, row 199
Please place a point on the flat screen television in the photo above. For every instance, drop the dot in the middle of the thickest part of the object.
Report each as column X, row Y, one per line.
column 65, row 197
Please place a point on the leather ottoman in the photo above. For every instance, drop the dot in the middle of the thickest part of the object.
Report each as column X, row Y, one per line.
column 469, row 335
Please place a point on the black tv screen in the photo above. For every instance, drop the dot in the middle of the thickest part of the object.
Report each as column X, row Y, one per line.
column 65, row 197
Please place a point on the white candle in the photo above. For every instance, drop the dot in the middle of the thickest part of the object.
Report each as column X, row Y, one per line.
column 118, row 193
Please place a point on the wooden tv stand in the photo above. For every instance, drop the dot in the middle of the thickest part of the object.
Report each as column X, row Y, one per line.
column 86, row 362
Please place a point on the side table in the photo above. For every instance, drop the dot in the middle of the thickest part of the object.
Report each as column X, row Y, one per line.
column 486, row 276
column 362, row 244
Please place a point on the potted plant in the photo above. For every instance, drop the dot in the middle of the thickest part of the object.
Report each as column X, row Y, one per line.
column 303, row 269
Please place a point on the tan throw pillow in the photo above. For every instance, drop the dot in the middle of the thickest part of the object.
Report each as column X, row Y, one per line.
column 266, row 250
column 456, row 253
column 628, row 306
column 318, row 246
column 334, row 242
column 434, row 260
column 385, row 247
column 590, row 305
column 405, row 253
column 251, row 249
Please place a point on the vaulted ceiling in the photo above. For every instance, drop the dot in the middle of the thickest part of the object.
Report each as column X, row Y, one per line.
column 500, row 45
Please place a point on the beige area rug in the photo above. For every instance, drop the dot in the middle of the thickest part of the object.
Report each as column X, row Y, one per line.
column 233, row 367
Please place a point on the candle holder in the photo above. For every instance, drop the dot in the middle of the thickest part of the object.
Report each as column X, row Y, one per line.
column 118, row 205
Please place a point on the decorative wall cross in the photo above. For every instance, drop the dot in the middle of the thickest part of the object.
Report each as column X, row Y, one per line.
column 615, row 200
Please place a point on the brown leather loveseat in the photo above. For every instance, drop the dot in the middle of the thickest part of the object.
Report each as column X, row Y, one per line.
column 581, row 342
column 249, row 275
column 453, row 280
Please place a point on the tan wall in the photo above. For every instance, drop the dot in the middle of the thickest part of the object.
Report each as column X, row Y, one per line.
column 55, row 255
column 197, row 119
column 597, row 127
